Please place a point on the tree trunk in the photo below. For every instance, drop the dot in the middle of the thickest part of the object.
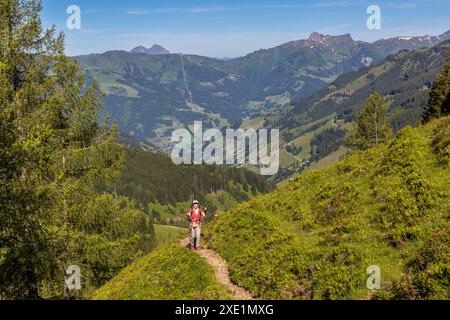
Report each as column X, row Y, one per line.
column 33, row 292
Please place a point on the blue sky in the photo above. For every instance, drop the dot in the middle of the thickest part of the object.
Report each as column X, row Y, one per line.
column 230, row 28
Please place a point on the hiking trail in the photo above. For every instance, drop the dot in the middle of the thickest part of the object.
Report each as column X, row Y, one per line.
column 221, row 273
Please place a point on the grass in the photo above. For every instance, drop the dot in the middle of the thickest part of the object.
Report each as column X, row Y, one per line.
column 329, row 159
column 169, row 234
column 315, row 237
column 171, row 272
column 253, row 123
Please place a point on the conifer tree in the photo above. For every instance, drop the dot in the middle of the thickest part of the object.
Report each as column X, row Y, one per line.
column 371, row 126
column 53, row 151
column 439, row 101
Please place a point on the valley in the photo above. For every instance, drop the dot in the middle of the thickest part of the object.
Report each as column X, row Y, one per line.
column 150, row 95
column 330, row 225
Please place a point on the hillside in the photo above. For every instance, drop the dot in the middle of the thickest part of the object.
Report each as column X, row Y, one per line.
column 150, row 95
column 404, row 79
column 165, row 190
column 168, row 273
column 315, row 237
column 316, row 123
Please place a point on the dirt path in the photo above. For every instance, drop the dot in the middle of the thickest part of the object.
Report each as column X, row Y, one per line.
column 221, row 272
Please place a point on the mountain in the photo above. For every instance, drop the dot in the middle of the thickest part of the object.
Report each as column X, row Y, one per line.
column 165, row 190
column 150, row 95
column 389, row 46
column 404, row 78
column 321, row 235
column 317, row 236
column 155, row 49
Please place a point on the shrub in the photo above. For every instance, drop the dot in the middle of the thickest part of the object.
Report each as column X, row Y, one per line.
column 404, row 190
column 335, row 202
column 428, row 274
column 336, row 271
column 441, row 141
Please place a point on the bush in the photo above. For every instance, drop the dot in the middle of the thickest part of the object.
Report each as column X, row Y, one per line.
column 404, row 190
column 335, row 202
column 441, row 141
column 428, row 274
column 336, row 272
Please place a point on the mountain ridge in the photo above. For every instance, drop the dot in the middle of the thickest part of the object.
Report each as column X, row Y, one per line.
column 149, row 95
column 330, row 226
column 155, row 49
column 316, row 235
column 404, row 79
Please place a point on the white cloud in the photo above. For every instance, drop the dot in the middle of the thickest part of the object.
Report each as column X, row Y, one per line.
column 210, row 9
column 138, row 12
column 169, row 10
column 398, row 5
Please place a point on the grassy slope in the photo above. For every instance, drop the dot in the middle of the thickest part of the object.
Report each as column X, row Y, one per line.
column 316, row 237
column 168, row 273
column 169, row 234
column 404, row 79
column 329, row 159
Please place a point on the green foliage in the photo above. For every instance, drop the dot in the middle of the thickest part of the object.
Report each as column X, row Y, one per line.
column 294, row 149
column 168, row 273
column 405, row 190
column 336, row 273
column 315, row 237
column 334, row 202
column 371, row 126
column 154, row 181
column 428, row 273
column 326, row 142
column 439, row 102
column 441, row 141
column 53, row 150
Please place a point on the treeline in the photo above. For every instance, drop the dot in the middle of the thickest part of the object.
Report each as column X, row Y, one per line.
column 151, row 177
column 326, row 142
column 405, row 81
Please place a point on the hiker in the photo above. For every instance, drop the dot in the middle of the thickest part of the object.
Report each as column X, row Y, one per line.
column 195, row 215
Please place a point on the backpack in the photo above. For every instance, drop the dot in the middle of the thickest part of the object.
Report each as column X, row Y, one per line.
column 196, row 219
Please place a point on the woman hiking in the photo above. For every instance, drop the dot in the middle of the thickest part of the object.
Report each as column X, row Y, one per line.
column 194, row 216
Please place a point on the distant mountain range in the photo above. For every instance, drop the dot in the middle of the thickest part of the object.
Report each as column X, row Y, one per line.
column 389, row 46
column 155, row 49
column 404, row 79
column 150, row 94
